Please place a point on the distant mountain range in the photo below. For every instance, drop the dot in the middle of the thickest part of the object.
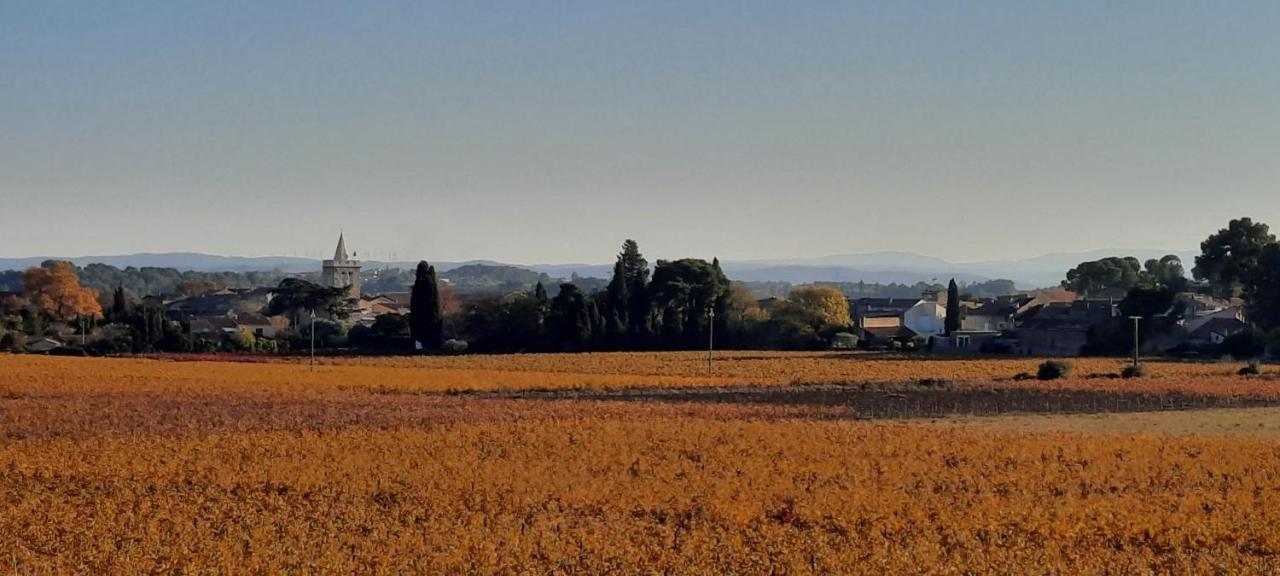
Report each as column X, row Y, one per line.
column 875, row 267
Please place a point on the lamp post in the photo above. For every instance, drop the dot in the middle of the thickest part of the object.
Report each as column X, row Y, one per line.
column 711, row 337
column 1135, row 319
column 312, row 328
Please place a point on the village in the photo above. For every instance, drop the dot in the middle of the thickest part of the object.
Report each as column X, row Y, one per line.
column 1046, row 322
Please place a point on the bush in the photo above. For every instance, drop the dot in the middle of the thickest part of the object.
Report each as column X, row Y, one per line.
column 1138, row 371
column 1053, row 370
column 1252, row 369
column 1247, row 344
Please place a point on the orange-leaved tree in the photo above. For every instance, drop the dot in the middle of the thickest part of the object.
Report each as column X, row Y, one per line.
column 56, row 291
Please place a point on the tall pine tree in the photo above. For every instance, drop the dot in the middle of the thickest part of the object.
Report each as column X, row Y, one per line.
column 617, row 304
column 954, row 320
column 635, row 270
column 426, row 322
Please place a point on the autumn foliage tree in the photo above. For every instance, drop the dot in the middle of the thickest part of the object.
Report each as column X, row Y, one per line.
column 822, row 307
column 55, row 291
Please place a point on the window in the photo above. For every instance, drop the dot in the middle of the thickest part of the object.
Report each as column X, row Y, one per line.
column 962, row 341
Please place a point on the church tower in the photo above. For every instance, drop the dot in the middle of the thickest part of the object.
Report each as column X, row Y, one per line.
column 342, row 271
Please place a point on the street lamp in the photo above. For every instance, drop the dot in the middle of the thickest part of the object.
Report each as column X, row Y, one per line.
column 1135, row 319
column 711, row 336
column 312, row 327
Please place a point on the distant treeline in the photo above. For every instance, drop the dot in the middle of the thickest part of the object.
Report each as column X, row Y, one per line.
column 155, row 281
column 988, row 289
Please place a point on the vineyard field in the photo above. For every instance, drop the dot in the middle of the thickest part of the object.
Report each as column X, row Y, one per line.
column 605, row 464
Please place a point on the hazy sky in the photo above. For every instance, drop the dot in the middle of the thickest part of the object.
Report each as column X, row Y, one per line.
column 550, row 131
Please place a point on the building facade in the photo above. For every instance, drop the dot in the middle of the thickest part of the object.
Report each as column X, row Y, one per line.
column 342, row 271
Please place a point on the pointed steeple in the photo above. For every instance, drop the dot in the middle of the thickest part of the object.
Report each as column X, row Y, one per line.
column 340, row 255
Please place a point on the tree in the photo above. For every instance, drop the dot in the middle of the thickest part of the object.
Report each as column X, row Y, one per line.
column 569, row 321
column 294, row 295
column 1167, row 273
column 820, row 307
column 1228, row 257
column 953, row 320
column 1262, row 289
column 617, row 302
column 55, row 290
column 119, row 304
column 1091, row 278
column 635, row 271
column 684, row 290
column 426, row 321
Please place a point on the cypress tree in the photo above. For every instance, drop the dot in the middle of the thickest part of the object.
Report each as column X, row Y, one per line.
column 119, row 304
column 617, row 301
column 569, row 321
column 425, row 320
column 953, row 321
column 540, row 294
column 636, row 271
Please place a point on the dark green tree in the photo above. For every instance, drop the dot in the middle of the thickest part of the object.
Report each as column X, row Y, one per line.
column 1228, row 257
column 954, row 319
column 1091, row 278
column 426, row 320
column 1166, row 273
column 684, row 290
column 569, row 320
column 295, row 295
column 1262, row 289
column 635, row 270
column 617, row 304
column 540, row 294
column 119, row 305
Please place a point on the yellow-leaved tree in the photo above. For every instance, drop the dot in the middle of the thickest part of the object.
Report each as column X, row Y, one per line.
column 56, row 291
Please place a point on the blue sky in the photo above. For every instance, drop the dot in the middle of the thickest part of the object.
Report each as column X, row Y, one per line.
column 550, row 131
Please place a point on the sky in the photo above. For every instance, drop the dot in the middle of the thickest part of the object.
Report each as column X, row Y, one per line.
column 537, row 132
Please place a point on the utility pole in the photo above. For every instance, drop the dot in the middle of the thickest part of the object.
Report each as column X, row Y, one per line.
column 1135, row 319
column 312, row 327
column 711, row 337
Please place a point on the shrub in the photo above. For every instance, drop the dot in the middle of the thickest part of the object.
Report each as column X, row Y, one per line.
column 1138, row 371
column 1252, row 369
column 1053, row 370
column 1247, row 344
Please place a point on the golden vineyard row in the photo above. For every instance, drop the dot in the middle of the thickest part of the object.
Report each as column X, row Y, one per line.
column 36, row 375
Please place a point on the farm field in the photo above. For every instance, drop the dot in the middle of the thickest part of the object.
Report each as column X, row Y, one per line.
column 633, row 463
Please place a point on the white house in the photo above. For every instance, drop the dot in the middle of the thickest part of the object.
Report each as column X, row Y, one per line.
column 926, row 318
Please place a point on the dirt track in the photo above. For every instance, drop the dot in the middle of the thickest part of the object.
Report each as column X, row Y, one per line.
column 909, row 400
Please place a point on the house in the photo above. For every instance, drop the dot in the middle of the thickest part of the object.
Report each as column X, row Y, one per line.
column 43, row 345
column 973, row 341
column 1193, row 323
column 880, row 312
column 1197, row 305
column 995, row 315
column 1061, row 328
column 214, row 326
column 886, row 335
column 1217, row 330
column 927, row 318
column 921, row 316
column 227, row 303
column 262, row 326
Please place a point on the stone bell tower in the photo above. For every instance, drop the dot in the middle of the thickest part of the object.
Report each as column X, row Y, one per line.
column 342, row 271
